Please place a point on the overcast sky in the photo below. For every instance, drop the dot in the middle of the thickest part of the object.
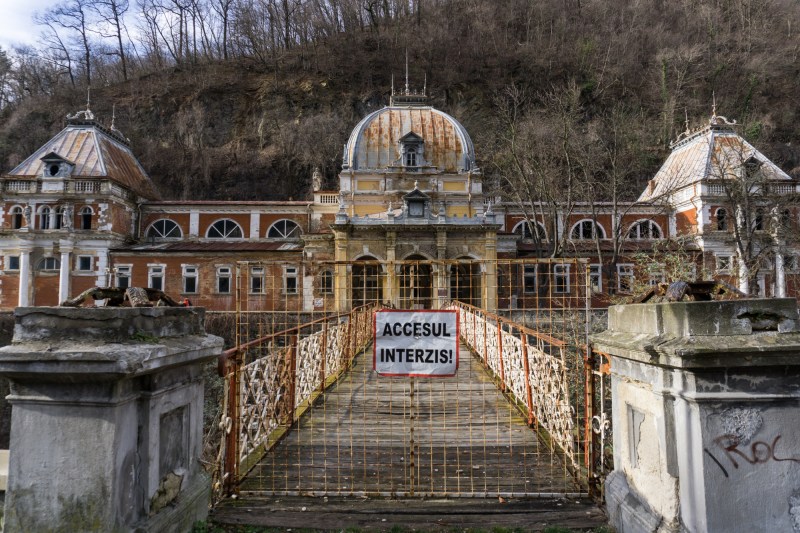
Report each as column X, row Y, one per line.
column 16, row 21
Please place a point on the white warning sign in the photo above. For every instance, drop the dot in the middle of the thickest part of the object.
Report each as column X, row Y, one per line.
column 416, row 343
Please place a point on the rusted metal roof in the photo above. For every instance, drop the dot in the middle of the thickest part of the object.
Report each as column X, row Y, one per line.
column 95, row 154
column 712, row 152
column 374, row 143
column 195, row 246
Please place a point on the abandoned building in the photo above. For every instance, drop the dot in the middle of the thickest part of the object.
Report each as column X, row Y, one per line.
column 82, row 212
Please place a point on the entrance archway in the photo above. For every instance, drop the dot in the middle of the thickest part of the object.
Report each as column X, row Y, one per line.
column 465, row 281
column 367, row 286
column 416, row 283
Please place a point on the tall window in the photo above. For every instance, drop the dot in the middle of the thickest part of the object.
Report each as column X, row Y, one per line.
column 722, row 219
column 44, row 218
column 164, row 229
column 224, row 280
column 224, row 229
column 123, row 280
column 16, row 217
column 561, row 279
column 12, row 263
column 411, row 157
column 758, row 220
column 189, row 279
column 58, row 218
column 596, row 278
column 625, row 278
column 644, row 229
column 587, row 229
column 290, row 280
column 326, row 282
column 155, row 277
column 257, row 280
column 529, row 278
column 86, row 217
column 284, row 229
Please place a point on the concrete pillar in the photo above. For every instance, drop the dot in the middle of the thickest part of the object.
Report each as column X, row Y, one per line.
column 65, row 247
column 489, row 284
column 341, row 281
column 780, row 274
column 24, row 274
column 391, row 286
column 706, row 416
column 107, row 419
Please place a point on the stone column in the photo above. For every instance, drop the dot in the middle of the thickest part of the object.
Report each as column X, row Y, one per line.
column 489, row 284
column 391, row 281
column 107, row 419
column 65, row 247
column 24, row 273
column 706, row 416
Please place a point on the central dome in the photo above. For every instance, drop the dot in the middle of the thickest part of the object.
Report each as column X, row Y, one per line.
column 375, row 143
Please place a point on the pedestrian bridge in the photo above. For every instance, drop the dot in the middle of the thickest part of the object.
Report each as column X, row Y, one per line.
column 306, row 415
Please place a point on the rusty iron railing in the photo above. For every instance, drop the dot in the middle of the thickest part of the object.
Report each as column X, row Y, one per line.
column 532, row 368
column 272, row 380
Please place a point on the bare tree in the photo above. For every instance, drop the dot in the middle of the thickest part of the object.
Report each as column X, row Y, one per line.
column 74, row 17
column 112, row 13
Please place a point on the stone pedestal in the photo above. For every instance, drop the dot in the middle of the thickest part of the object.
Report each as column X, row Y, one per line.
column 107, row 419
column 706, row 416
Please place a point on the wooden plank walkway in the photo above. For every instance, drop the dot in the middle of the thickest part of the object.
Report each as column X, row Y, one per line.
column 375, row 436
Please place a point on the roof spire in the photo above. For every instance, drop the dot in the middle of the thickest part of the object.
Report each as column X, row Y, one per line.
column 88, row 98
column 392, row 83
column 686, row 113
column 425, row 85
column 407, row 91
column 113, row 116
column 713, row 106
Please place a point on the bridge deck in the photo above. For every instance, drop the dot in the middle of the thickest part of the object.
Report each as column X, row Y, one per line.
column 369, row 435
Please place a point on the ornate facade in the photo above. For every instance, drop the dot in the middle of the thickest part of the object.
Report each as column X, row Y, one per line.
column 81, row 212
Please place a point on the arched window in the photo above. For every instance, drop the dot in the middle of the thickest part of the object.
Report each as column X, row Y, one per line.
column 758, row 220
column 16, row 217
column 58, row 219
column 644, row 229
column 586, row 229
column 722, row 219
column 48, row 263
column 164, row 229
column 284, row 229
column 44, row 218
column 224, row 229
column 86, row 217
column 527, row 228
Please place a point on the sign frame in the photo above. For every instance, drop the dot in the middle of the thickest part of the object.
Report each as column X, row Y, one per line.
column 411, row 374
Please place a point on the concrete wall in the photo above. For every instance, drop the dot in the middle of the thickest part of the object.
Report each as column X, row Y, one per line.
column 706, row 416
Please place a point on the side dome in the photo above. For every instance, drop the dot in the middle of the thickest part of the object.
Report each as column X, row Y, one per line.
column 376, row 142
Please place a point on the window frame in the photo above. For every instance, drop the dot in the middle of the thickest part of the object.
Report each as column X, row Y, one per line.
column 257, row 273
column 291, row 273
column 87, row 214
column 625, row 270
column 282, row 234
column 17, row 214
column 652, row 226
column 44, row 217
column 161, row 234
column 80, row 257
column 597, row 227
column 523, row 229
column 157, row 271
column 721, row 223
column 41, row 265
column 8, row 265
column 561, row 271
column 596, row 278
column 326, row 287
column 530, row 275
column 228, row 233
column 224, row 275
column 719, row 263
column 186, row 275
column 123, row 272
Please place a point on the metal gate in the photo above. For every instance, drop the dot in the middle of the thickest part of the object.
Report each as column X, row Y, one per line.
column 305, row 414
